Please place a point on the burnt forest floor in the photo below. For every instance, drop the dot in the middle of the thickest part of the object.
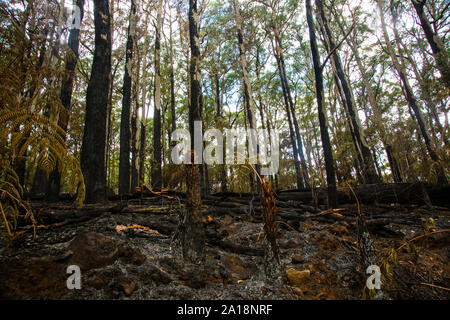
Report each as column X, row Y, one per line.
column 318, row 249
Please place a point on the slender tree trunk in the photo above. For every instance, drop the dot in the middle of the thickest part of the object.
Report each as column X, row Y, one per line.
column 143, row 134
column 294, row 117
column 429, row 103
column 125, row 130
column 135, row 132
column 267, row 137
column 369, row 170
column 377, row 114
column 219, row 125
column 247, row 88
column 54, row 182
column 439, row 51
column 396, row 174
column 172, row 86
column 326, row 145
column 156, row 176
column 40, row 177
column 340, row 93
column 411, row 99
column 290, row 105
column 292, row 136
column 94, row 137
column 173, row 123
column 110, row 122
column 218, row 118
column 193, row 238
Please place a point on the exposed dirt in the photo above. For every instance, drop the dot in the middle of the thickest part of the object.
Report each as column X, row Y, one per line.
column 319, row 255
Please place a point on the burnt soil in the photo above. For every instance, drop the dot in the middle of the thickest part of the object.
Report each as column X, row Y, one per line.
column 145, row 262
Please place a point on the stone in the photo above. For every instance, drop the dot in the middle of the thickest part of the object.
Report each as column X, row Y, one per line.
column 298, row 278
column 93, row 250
column 128, row 286
column 235, row 266
column 297, row 258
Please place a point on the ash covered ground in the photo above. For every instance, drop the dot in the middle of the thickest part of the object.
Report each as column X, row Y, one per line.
column 127, row 250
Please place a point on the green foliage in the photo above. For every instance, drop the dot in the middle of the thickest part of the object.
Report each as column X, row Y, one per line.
column 429, row 224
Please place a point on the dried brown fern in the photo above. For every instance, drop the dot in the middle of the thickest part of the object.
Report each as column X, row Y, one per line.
column 29, row 109
column 271, row 250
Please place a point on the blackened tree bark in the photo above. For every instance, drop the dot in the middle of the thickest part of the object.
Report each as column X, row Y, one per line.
column 40, row 177
column 143, row 132
column 326, row 145
column 135, row 132
column 110, row 117
column 54, row 181
column 156, row 176
column 393, row 164
column 94, row 138
column 125, row 130
column 192, row 236
column 368, row 165
column 439, row 51
column 411, row 99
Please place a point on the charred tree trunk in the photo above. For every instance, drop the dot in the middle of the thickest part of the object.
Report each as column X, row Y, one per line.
column 193, row 237
column 94, row 137
column 326, row 144
column 396, row 174
column 156, row 176
column 143, row 133
column 54, row 181
column 125, row 130
column 193, row 234
column 135, row 146
column 110, row 116
column 40, row 177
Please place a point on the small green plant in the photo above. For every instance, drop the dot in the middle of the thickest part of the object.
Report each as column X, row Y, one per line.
column 429, row 224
